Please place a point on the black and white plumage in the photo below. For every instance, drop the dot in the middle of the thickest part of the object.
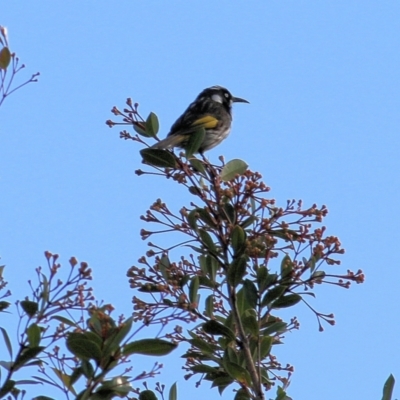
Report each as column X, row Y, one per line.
column 211, row 110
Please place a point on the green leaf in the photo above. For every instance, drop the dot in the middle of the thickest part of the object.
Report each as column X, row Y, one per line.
column 194, row 190
column 7, row 341
column 83, row 347
column 64, row 320
column 222, row 382
column 158, row 158
column 7, row 387
column 193, row 289
column 76, row 374
column 168, row 302
column 152, row 125
column 192, row 219
column 311, row 263
column 45, row 292
column 318, row 275
column 87, row 369
column 147, row 395
column 173, row 392
column 204, row 369
column 230, row 355
column 247, row 222
column 100, row 394
column 112, row 344
column 6, row 364
column 209, row 306
column 388, row 388
column 233, row 168
column 183, row 280
column 4, row 305
column 286, row 301
column 250, row 323
column 262, row 274
column 95, row 336
column 30, row 307
column 242, row 394
column 27, row 382
column 237, row 372
column 64, row 378
column 195, row 141
column 205, row 216
column 242, row 303
column 273, row 294
column 164, row 266
column 213, row 327
column 27, row 355
column 33, row 333
column 276, row 327
column 207, row 241
column 229, row 212
column 203, row 346
column 116, row 387
column 250, row 291
column 265, row 345
column 39, row 378
column 281, row 394
column 253, row 205
column 271, row 280
column 237, row 270
column 149, row 347
column 197, row 165
column 210, row 267
column 206, row 282
column 43, row 398
column 5, row 58
column 238, row 239
column 137, row 126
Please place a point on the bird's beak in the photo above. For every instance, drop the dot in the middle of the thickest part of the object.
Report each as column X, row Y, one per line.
column 239, row 100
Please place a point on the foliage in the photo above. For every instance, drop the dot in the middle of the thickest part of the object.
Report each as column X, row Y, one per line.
column 246, row 259
column 388, row 388
column 74, row 343
column 9, row 67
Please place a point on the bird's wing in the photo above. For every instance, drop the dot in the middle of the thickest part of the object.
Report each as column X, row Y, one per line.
column 206, row 122
column 180, row 131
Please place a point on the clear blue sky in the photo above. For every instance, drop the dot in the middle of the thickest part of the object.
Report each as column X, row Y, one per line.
column 323, row 125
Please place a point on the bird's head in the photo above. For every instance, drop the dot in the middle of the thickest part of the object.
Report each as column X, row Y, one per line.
column 220, row 95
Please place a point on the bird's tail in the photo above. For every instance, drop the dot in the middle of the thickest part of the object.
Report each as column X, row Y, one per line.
column 169, row 142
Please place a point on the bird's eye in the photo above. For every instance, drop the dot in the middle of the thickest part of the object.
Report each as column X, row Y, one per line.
column 227, row 95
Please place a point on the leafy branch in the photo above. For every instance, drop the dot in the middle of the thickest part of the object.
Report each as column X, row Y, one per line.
column 248, row 259
column 9, row 68
column 69, row 349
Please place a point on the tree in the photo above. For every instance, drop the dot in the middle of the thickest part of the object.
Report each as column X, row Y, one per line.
column 248, row 259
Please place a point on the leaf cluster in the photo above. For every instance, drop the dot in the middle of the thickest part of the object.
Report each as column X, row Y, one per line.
column 9, row 68
column 80, row 356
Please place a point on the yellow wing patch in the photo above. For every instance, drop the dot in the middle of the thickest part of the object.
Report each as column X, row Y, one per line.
column 206, row 122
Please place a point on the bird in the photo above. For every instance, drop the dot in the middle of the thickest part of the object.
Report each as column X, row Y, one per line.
column 211, row 110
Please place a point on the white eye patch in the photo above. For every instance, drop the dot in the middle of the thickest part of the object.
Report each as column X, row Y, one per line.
column 217, row 98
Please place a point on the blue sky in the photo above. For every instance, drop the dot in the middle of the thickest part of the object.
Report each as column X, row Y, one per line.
column 322, row 125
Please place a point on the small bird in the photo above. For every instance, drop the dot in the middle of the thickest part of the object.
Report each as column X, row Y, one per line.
column 212, row 110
